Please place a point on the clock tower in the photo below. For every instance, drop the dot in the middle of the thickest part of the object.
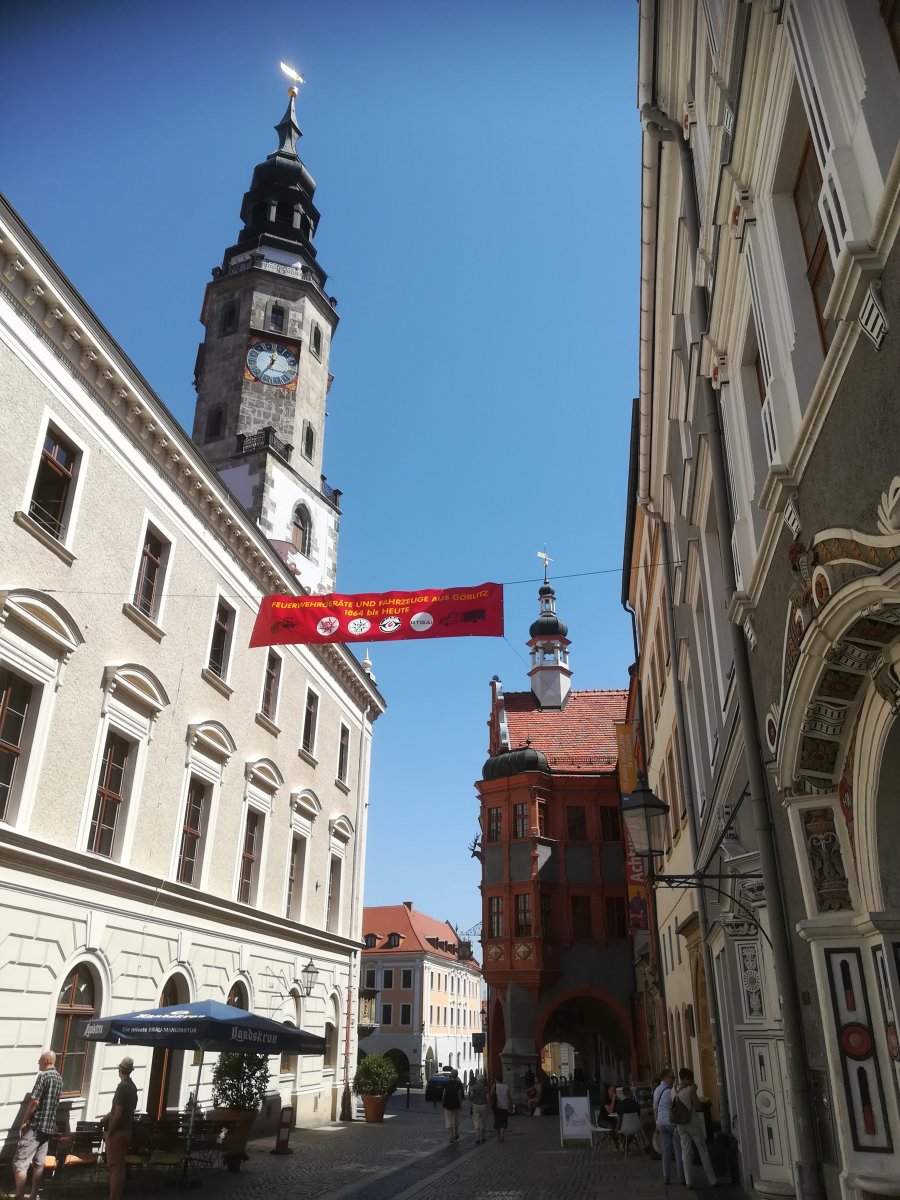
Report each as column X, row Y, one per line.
column 262, row 369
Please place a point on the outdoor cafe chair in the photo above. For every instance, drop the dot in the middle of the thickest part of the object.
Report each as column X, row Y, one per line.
column 603, row 1132
column 630, row 1128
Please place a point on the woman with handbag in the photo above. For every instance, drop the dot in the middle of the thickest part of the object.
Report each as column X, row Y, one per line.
column 500, row 1105
column 687, row 1116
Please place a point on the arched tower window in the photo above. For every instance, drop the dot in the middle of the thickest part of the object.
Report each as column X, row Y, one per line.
column 215, row 423
column 284, row 212
column 301, row 530
column 276, row 318
column 317, row 341
column 306, row 226
column 309, row 441
column 229, row 318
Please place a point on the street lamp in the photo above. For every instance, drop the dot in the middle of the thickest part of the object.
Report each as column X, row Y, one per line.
column 309, row 975
column 642, row 812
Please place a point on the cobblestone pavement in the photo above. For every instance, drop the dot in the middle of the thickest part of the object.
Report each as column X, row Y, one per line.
column 408, row 1156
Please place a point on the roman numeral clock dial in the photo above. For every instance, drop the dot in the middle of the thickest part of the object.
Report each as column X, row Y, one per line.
column 272, row 363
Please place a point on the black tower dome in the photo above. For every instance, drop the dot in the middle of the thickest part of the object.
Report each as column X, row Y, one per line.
column 278, row 209
column 548, row 623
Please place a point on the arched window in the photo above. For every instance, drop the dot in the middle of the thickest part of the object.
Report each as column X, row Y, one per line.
column 284, row 212
column 309, row 441
column 276, row 318
column 301, row 530
column 76, row 1003
column 237, row 997
column 317, row 341
column 215, row 423
column 306, row 226
column 330, row 1046
column 229, row 318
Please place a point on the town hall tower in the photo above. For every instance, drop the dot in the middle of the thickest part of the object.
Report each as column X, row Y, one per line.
column 262, row 370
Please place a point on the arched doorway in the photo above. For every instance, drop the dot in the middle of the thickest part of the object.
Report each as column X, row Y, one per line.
column 599, row 1037
column 167, row 1066
column 401, row 1062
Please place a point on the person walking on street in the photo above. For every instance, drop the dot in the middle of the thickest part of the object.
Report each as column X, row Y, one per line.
column 500, row 1101
column 39, row 1124
column 453, row 1097
column 119, row 1123
column 478, row 1094
column 671, row 1143
column 692, row 1131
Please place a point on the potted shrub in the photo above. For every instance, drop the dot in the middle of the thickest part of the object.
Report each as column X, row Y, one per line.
column 375, row 1080
column 240, row 1084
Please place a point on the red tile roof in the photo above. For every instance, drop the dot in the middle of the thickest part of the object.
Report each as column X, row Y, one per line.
column 578, row 737
column 415, row 929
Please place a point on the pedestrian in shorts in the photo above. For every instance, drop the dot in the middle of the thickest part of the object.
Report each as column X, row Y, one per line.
column 39, row 1124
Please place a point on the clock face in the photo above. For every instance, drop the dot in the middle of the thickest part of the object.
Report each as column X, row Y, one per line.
column 272, row 363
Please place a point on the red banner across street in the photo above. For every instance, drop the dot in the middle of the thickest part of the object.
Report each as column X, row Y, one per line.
column 380, row 616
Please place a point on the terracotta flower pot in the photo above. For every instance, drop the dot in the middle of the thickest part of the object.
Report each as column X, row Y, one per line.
column 237, row 1123
column 374, row 1107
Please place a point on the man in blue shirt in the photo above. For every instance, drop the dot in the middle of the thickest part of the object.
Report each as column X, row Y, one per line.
column 39, row 1124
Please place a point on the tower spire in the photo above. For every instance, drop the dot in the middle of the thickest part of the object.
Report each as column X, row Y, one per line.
column 550, row 675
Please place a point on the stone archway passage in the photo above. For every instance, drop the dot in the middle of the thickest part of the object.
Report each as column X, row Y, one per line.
column 601, row 1041
column 401, row 1062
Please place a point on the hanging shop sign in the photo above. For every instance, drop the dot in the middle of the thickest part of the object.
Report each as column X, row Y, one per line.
column 380, row 616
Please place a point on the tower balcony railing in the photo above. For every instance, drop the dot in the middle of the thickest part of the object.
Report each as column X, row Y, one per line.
column 259, row 262
column 332, row 495
column 264, row 439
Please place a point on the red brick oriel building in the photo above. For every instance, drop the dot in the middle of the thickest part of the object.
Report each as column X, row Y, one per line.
column 558, row 958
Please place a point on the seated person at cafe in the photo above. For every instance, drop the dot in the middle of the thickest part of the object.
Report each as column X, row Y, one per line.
column 533, row 1096
column 626, row 1104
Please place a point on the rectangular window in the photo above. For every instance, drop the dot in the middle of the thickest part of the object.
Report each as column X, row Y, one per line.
column 616, row 918
column 576, row 825
column 370, row 977
column 387, row 981
column 51, row 499
column 546, row 916
column 250, row 856
column 387, row 1014
column 190, row 855
column 333, row 909
column 310, row 720
column 220, row 646
column 610, row 826
column 542, row 819
column 495, row 824
column 406, row 978
column 296, row 869
column 406, row 1014
column 148, row 591
column 270, row 686
column 495, row 917
column 343, row 754
column 110, row 799
column 581, row 917
column 819, row 270
column 15, row 698
column 523, row 915
column 520, row 820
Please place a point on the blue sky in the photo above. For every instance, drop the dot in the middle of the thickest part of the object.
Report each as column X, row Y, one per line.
column 478, row 178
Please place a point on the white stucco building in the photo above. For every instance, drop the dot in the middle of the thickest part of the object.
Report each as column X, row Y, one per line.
column 180, row 817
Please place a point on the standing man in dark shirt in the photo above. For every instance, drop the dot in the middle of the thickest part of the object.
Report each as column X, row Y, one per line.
column 39, row 1123
column 118, row 1124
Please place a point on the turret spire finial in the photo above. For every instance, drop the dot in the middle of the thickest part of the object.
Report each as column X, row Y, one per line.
column 547, row 561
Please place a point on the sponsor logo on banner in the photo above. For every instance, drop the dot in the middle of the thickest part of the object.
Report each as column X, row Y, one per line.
column 380, row 616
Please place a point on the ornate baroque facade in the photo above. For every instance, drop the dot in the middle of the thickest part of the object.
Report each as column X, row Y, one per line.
column 765, row 497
